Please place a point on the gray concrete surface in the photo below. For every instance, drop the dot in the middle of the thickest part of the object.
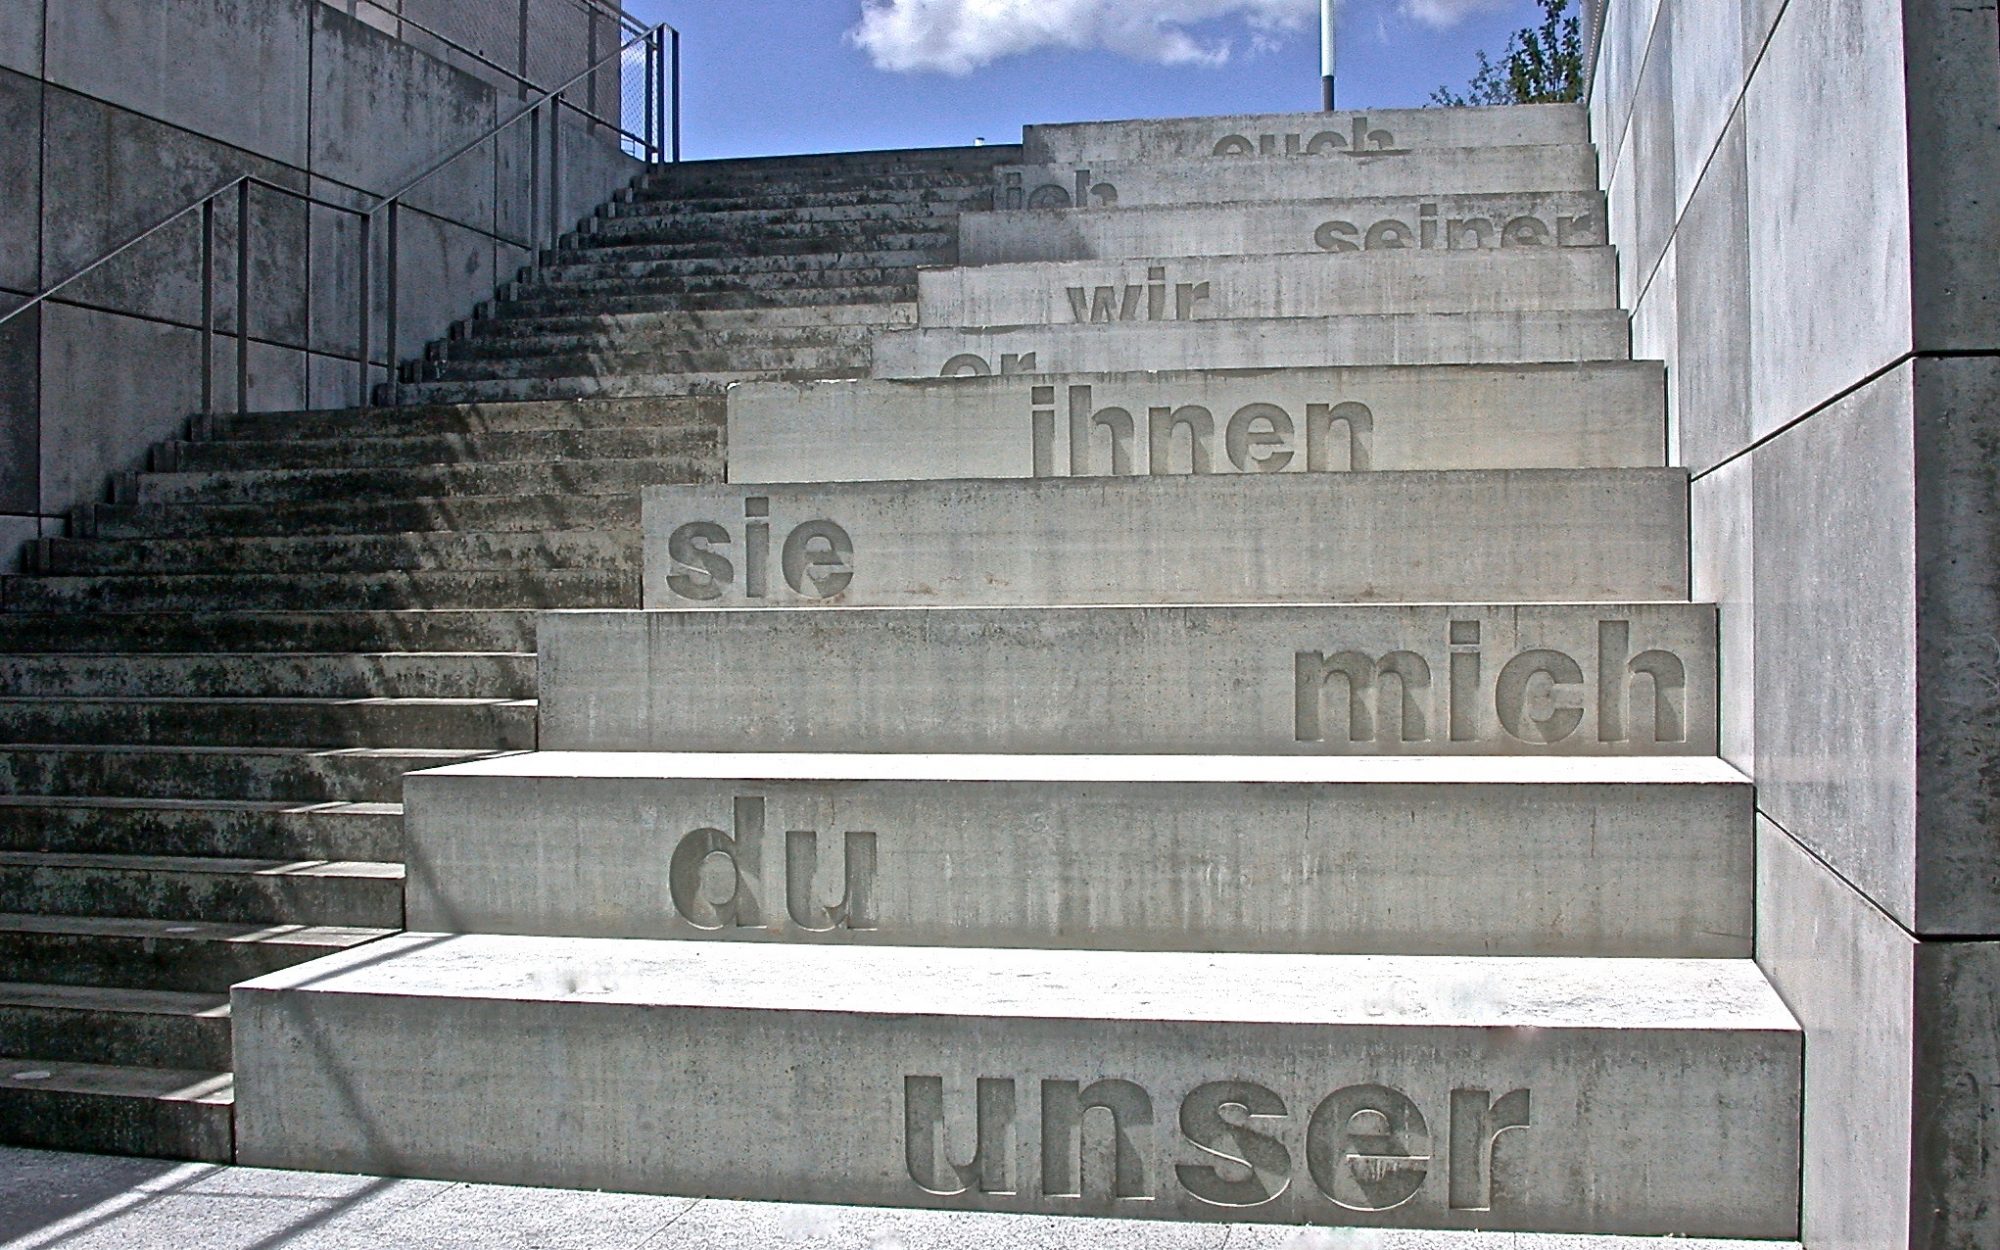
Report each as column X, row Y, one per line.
column 88, row 1202
column 1634, row 679
column 1249, row 538
column 1277, row 135
column 1545, row 857
column 1609, row 415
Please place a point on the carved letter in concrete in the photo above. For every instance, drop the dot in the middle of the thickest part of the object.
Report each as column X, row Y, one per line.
column 819, row 555
column 1368, row 1148
column 1255, row 1167
column 856, row 908
column 744, row 856
column 1198, row 421
column 966, row 365
column 704, row 571
column 1476, row 1124
column 1360, row 424
column 1359, row 672
column 1117, row 422
column 1259, row 439
column 1065, row 1168
column 928, row 1156
column 1550, row 680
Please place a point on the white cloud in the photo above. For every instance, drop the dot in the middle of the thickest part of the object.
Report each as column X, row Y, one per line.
column 1443, row 13
column 959, row 36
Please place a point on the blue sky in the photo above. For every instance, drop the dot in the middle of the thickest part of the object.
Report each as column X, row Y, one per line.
column 777, row 76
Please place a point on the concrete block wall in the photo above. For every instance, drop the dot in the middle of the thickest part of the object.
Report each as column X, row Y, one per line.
column 115, row 114
column 1804, row 194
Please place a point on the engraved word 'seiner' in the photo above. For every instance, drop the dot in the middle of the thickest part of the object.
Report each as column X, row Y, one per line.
column 1368, row 1148
column 1258, row 438
column 717, row 880
column 1458, row 234
column 816, row 560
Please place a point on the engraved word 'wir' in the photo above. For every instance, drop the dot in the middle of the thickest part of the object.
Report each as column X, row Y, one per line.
column 1152, row 300
column 816, row 559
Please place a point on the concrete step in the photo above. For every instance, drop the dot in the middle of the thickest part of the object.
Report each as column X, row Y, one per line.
column 1585, row 1096
column 671, row 412
column 119, row 1027
column 1267, row 135
column 883, row 161
column 838, row 282
column 473, row 724
column 438, row 449
column 573, row 267
column 482, row 513
column 220, row 827
column 336, row 675
column 422, row 552
column 1597, row 679
column 573, row 300
column 1511, row 535
column 225, row 891
column 685, row 182
column 1446, row 222
column 289, row 774
column 425, row 630
column 162, row 1113
column 1295, row 342
column 338, row 592
column 1608, row 415
column 1174, row 290
column 498, row 390
column 657, row 221
column 320, row 485
column 623, row 357
column 1488, row 857
column 1235, row 180
column 905, row 202
column 715, row 327
column 806, row 244
column 178, row 955
column 518, row 346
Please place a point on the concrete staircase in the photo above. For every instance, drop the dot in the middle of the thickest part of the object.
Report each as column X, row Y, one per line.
column 1212, row 729
column 210, row 693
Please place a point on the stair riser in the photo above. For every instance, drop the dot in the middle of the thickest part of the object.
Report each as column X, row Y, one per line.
column 514, row 347
column 215, row 897
column 960, row 159
column 609, row 553
column 105, row 1124
column 825, row 285
column 871, row 315
column 693, row 184
column 498, row 390
column 676, row 412
column 623, row 359
column 479, row 727
column 128, row 1039
column 500, row 630
column 741, row 232
column 151, row 775
column 573, row 268
column 574, row 301
column 885, row 203
column 358, row 592
column 595, row 477
column 368, row 837
column 488, row 514
column 417, row 452
column 790, row 247
column 357, row 676
column 185, row 964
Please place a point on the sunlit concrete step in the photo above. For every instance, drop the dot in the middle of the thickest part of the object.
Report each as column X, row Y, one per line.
column 225, row 891
column 349, row 774
column 887, row 162
column 614, row 385
column 1380, row 856
column 417, row 552
column 1327, row 135
column 624, row 357
column 1528, row 535
column 767, row 221
column 233, row 829
column 771, row 248
column 91, row 1024
column 1206, row 289
column 163, row 1113
column 419, row 630
column 345, row 592
column 573, row 302
column 324, row 485
column 568, row 267
column 1290, row 342
column 180, row 955
column 1605, row 415
column 665, row 339
column 778, row 286
column 681, row 412
column 906, row 202
column 376, row 451
column 1591, row 679
column 1594, row 1096
column 475, row 513
column 1450, row 223
column 871, row 314
column 338, row 675
column 263, row 721
column 1239, row 180
column 689, row 180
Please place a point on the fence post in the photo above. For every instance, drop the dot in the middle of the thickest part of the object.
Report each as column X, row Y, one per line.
column 243, row 296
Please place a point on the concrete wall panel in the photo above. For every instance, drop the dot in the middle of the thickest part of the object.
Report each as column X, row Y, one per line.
column 1707, row 50
column 1721, row 508
column 1957, row 1129
column 1954, row 112
column 20, row 182
column 1711, row 380
column 98, row 421
column 20, row 412
column 21, row 36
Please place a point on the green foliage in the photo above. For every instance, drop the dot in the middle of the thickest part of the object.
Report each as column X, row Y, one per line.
column 1542, row 65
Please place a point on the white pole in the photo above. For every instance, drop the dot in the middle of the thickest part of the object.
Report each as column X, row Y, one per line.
column 1328, row 58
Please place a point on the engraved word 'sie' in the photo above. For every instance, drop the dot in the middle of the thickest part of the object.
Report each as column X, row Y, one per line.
column 1457, row 234
column 816, row 559
column 1539, row 696
column 1364, row 141
column 1367, row 1147
column 718, row 880
column 1188, row 438
column 1153, row 300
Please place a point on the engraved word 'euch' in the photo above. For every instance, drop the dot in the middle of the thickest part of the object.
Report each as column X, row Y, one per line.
column 717, row 880
column 1367, row 1147
column 1539, row 697
column 1257, row 438
column 1365, row 141
column 816, row 558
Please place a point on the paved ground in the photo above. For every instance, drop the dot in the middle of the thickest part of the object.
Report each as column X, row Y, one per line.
column 85, row 1202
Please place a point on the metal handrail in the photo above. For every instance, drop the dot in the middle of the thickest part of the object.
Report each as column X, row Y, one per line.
column 662, row 118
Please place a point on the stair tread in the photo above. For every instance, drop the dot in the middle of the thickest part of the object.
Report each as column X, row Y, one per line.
column 329, row 938
column 300, row 701
column 116, row 803
column 215, row 1089
column 345, row 869
column 146, row 748
column 177, row 1003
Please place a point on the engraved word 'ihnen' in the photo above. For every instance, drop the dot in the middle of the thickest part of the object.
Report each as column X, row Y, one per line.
column 816, row 559
column 1539, row 696
column 1258, row 438
column 1153, row 300
column 1365, row 141
column 717, row 880
column 1458, row 234
column 1367, row 1147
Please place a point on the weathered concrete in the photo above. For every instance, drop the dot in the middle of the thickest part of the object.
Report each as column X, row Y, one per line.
column 1268, row 135
column 1530, row 278
column 1233, row 180
column 1608, row 415
column 1581, row 1096
column 1445, row 223
column 1499, row 536
column 1404, row 339
column 1486, row 857
column 1606, row 680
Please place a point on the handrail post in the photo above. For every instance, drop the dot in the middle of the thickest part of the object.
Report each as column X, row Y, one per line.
column 361, row 330
column 677, row 97
column 208, row 305
column 651, row 114
column 243, row 296
column 390, row 347
column 535, row 173
column 555, row 177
